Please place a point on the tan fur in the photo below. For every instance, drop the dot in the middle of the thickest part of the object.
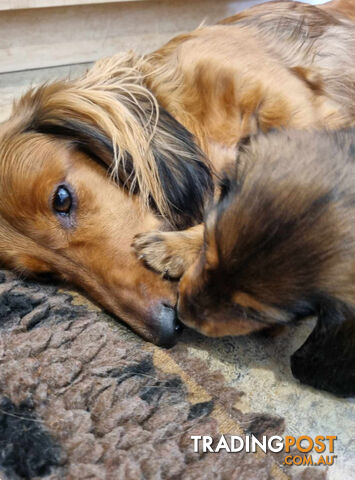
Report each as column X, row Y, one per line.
column 342, row 7
column 273, row 66
column 225, row 84
column 169, row 253
column 96, row 254
column 112, row 96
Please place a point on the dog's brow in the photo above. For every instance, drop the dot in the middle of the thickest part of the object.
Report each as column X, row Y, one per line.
column 91, row 141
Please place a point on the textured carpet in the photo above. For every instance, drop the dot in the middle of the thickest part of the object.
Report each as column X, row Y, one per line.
column 82, row 397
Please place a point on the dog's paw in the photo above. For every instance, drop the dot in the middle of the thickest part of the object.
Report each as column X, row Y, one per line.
column 157, row 250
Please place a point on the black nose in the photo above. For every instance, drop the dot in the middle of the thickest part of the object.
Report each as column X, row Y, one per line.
column 168, row 326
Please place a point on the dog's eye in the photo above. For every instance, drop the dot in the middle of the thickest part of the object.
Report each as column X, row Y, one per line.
column 62, row 200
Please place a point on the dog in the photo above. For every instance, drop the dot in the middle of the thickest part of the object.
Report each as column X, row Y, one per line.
column 137, row 144
column 279, row 245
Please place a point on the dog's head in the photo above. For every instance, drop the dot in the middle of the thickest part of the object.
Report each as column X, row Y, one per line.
column 280, row 246
column 84, row 166
column 239, row 283
column 275, row 238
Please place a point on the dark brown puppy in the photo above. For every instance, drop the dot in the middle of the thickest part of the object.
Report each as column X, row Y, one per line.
column 278, row 246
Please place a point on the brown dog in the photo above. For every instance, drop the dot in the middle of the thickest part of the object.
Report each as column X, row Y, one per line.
column 276, row 65
column 278, row 246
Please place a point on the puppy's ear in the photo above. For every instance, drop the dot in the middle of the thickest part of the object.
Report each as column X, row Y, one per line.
column 327, row 358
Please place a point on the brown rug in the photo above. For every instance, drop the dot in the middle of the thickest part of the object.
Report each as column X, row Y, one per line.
column 82, row 397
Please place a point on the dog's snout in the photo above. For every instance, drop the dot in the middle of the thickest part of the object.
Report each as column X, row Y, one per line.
column 167, row 325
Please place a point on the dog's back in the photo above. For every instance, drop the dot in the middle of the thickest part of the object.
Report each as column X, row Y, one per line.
column 279, row 64
column 315, row 45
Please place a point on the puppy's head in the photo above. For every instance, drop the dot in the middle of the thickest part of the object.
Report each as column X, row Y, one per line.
column 273, row 241
column 280, row 245
column 230, row 289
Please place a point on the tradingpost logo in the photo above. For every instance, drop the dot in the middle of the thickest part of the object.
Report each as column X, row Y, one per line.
column 306, row 450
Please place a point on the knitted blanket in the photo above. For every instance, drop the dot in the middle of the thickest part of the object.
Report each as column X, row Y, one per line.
column 82, row 397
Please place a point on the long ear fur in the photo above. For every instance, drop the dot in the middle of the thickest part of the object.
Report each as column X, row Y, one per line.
column 327, row 359
column 111, row 115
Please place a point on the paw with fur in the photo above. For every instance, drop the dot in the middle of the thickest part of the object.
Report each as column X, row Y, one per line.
column 158, row 251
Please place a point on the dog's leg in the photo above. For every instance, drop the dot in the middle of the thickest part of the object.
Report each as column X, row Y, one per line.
column 327, row 359
column 169, row 253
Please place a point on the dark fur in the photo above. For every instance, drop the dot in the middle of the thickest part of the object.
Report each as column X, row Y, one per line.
column 186, row 183
column 327, row 358
column 283, row 237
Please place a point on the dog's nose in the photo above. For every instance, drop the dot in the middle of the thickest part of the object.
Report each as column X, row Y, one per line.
column 168, row 326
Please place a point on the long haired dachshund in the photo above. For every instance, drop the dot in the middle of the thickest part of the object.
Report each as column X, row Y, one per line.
column 152, row 122
column 279, row 245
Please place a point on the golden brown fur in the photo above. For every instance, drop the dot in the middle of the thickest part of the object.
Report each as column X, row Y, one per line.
column 224, row 84
column 151, row 122
column 95, row 253
column 341, row 7
column 279, row 245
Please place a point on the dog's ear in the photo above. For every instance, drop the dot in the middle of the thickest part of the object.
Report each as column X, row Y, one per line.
column 90, row 140
column 184, row 172
column 161, row 160
column 327, row 359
